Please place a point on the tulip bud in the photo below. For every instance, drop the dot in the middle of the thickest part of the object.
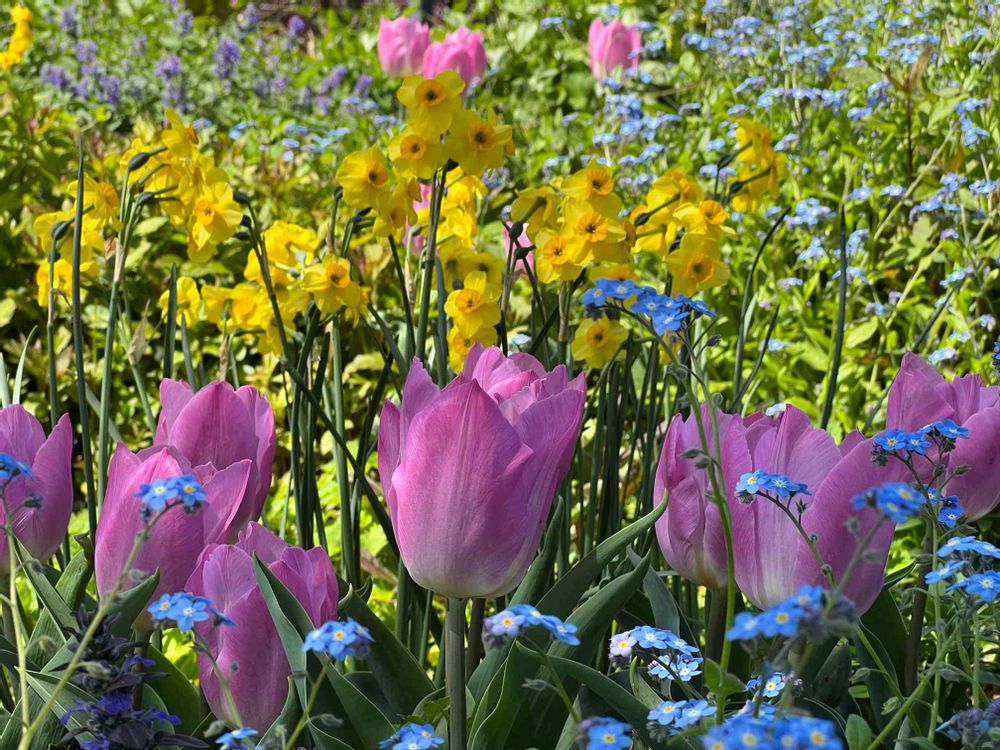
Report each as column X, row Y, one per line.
column 37, row 505
column 468, row 522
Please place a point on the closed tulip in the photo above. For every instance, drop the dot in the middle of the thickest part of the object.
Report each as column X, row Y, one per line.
column 462, row 51
column 690, row 530
column 470, row 471
column 217, row 427
column 40, row 525
column 249, row 654
column 613, row 45
column 177, row 538
column 772, row 558
column 920, row 395
column 401, row 45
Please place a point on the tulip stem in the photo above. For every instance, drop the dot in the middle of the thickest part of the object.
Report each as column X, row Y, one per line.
column 474, row 648
column 454, row 666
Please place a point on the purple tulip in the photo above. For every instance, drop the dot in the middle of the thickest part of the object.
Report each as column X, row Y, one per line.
column 41, row 525
column 690, row 530
column 219, row 426
column 462, row 51
column 470, row 471
column 920, row 395
column 177, row 538
column 401, row 45
column 249, row 654
column 612, row 46
column 772, row 559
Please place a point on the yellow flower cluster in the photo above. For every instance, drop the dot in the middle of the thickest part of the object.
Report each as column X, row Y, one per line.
column 297, row 276
column 201, row 199
column 100, row 201
column 20, row 38
column 439, row 131
column 760, row 166
column 577, row 222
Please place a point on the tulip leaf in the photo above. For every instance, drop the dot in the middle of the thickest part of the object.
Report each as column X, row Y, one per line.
column 364, row 716
column 324, row 741
column 402, row 680
column 51, row 600
column 570, row 588
column 491, row 723
column 71, row 586
column 886, row 623
column 642, row 689
column 290, row 620
column 879, row 685
column 129, row 604
column 618, row 698
column 284, row 725
column 176, row 691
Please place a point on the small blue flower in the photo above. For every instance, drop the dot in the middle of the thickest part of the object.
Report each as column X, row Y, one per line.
column 968, row 544
column 892, row 441
column 622, row 645
column 237, row 739
column 339, row 639
column 946, row 428
column 753, row 482
column 945, row 573
column 602, row 733
column 745, row 626
column 692, row 712
column 896, row 500
column 594, row 297
column 155, row 495
column 413, row 737
column 620, row 289
column 985, row 585
column 189, row 492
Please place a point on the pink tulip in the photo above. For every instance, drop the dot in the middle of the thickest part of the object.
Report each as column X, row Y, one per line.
column 690, row 530
column 462, row 51
column 772, row 559
column 401, row 45
column 612, row 46
column 249, row 654
column 41, row 524
column 219, row 426
column 920, row 395
column 177, row 538
column 470, row 471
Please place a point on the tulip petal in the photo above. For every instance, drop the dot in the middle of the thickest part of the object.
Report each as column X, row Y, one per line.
column 21, row 435
column 174, row 396
column 438, row 536
column 978, row 489
column 913, row 399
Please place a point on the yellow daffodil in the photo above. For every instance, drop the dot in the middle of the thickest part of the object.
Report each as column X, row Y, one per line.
column 618, row 272
column 414, row 155
column 91, row 239
column 537, row 209
column 101, row 199
column 188, row 301
column 594, row 185
column 398, row 211
column 431, row 103
column 214, row 218
column 552, row 258
column 477, row 144
column 708, row 217
column 592, row 235
column 364, row 176
column 596, row 342
column 459, row 344
column 487, row 263
column 696, row 265
column 62, row 271
column 20, row 38
column 331, row 285
column 284, row 242
column 474, row 305
column 180, row 139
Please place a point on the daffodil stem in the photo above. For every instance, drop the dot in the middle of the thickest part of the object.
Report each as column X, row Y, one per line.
column 428, row 280
column 455, row 672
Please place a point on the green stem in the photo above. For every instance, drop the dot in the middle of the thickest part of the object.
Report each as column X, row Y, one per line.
column 350, row 554
column 455, row 673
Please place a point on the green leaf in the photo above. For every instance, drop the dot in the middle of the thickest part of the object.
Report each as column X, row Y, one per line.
column 284, row 725
column 642, row 689
column 178, row 694
column 666, row 614
column 402, row 680
column 621, row 700
column 491, row 722
column 884, row 621
column 723, row 685
column 71, row 587
column 371, row 724
column 290, row 620
column 859, row 735
column 859, row 334
column 46, row 592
